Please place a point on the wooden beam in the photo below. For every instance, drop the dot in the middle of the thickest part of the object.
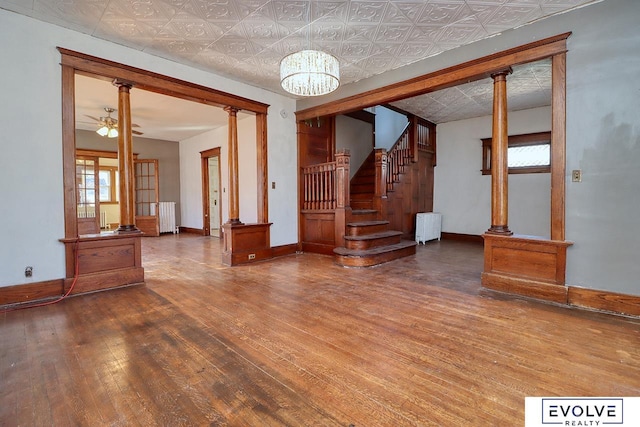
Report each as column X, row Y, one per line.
column 463, row 73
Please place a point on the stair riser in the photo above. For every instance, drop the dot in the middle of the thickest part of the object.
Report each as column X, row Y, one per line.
column 374, row 243
column 368, row 261
column 363, row 217
column 361, row 231
column 362, row 204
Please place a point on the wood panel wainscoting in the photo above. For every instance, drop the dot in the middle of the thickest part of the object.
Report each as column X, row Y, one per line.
column 526, row 265
column 245, row 243
column 105, row 261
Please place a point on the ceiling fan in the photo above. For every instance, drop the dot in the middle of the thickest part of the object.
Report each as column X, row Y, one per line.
column 109, row 125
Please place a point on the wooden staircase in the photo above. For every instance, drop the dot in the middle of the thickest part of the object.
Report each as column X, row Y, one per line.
column 368, row 241
column 370, row 218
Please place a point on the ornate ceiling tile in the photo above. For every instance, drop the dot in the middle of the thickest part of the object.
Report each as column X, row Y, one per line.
column 191, row 29
column 366, row 11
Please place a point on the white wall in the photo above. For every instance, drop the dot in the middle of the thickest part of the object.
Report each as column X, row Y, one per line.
column 191, row 173
column 31, row 188
column 463, row 195
column 357, row 136
column 389, row 126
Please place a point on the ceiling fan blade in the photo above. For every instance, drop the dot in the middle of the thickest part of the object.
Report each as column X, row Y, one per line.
column 135, row 125
column 93, row 118
column 135, row 132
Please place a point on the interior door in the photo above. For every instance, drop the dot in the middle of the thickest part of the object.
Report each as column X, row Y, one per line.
column 214, row 196
column 88, row 203
column 146, row 196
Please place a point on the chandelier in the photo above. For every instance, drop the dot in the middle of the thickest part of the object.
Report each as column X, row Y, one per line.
column 309, row 73
column 109, row 126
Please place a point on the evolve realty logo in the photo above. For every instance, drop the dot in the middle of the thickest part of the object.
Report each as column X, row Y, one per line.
column 580, row 411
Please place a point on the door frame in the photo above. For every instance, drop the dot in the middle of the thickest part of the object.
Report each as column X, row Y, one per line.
column 206, row 192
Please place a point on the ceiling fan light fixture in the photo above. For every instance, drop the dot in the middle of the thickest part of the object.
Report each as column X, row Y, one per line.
column 103, row 131
column 309, row 73
column 109, row 125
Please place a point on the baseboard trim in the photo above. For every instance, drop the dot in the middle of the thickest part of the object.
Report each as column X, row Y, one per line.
column 604, row 301
column 30, row 292
column 283, row 250
column 198, row 231
column 473, row 238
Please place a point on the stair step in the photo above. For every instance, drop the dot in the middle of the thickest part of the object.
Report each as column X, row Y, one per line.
column 366, row 227
column 373, row 240
column 374, row 256
column 363, row 211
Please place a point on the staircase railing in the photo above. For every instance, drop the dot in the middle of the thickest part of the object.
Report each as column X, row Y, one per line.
column 325, row 186
column 398, row 156
column 319, row 186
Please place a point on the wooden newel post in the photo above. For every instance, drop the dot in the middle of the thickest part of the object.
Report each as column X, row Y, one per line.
column 499, row 165
column 380, row 184
column 343, row 195
column 380, row 187
column 234, row 191
column 125, row 160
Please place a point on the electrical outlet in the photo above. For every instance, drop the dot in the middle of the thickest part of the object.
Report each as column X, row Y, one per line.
column 576, row 175
column 28, row 271
column 252, row 256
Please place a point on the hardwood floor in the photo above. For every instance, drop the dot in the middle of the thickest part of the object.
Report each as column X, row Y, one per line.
column 299, row 341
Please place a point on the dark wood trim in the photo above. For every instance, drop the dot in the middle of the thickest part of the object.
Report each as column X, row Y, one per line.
column 525, row 287
column 245, row 243
column 191, row 230
column 461, row 237
column 69, row 151
column 283, row 250
column 100, row 153
column 105, row 280
column 466, row 72
column 263, row 168
column 558, row 145
column 526, row 265
column 206, row 191
column 537, row 138
column 148, row 80
column 31, row 292
column 604, row 301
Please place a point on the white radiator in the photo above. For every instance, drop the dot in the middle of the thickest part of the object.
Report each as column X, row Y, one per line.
column 92, row 214
column 167, row 217
column 428, row 226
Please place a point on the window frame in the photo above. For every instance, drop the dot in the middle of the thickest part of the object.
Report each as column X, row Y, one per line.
column 537, row 138
column 113, row 190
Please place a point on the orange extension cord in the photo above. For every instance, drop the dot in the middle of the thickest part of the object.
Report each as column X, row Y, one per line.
column 73, row 284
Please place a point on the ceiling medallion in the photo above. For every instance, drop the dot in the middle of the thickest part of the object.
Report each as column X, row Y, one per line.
column 309, row 73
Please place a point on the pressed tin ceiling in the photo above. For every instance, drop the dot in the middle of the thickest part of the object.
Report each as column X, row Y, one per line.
column 246, row 39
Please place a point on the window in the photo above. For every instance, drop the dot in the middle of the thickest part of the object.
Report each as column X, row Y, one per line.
column 108, row 184
column 527, row 153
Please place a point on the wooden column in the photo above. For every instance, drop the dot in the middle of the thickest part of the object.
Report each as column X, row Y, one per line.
column 125, row 160
column 499, row 166
column 234, row 192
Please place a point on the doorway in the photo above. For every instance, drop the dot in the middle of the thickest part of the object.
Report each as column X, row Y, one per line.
column 211, row 194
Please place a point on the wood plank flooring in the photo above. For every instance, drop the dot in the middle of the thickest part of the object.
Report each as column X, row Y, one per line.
column 299, row 341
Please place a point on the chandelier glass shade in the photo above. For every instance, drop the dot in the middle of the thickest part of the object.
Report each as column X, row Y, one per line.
column 108, row 131
column 309, row 73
